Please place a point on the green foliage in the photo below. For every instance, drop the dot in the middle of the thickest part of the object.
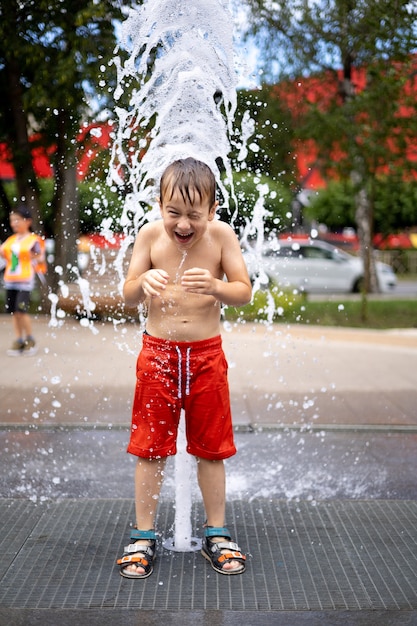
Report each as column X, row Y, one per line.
column 394, row 200
column 298, row 38
column 266, row 306
column 269, row 150
column 98, row 203
column 276, row 200
column 276, row 306
column 268, row 163
column 395, row 205
column 58, row 49
column 333, row 206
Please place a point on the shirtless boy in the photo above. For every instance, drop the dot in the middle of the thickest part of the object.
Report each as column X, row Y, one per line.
column 183, row 266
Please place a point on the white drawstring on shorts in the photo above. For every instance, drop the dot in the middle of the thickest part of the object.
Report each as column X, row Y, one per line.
column 187, row 371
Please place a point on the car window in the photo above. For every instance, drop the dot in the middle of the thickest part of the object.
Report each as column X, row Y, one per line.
column 284, row 252
column 310, row 252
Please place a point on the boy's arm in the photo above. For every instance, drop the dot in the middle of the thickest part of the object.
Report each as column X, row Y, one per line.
column 237, row 290
column 142, row 280
column 36, row 250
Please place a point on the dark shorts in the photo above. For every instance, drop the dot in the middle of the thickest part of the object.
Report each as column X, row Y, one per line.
column 17, row 301
column 181, row 375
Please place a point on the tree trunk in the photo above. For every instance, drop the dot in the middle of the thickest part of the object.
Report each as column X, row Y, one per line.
column 66, row 207
column 27, row 186
column 363, row 220
column 363, row 214
column 66, row 224
column 363, row 217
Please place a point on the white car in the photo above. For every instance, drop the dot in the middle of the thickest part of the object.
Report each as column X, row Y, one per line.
column 312, row 266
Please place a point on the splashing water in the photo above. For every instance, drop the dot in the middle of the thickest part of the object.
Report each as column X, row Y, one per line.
column 178, row 272
column 180, row 82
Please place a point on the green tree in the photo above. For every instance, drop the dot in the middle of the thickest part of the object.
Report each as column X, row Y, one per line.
column 269, row 150
column 394, row 201
column 52, row 59
column 268, row 159
column 361, row 113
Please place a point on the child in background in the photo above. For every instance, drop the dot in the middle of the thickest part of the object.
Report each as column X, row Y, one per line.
column 184, row 266
column 22, row 251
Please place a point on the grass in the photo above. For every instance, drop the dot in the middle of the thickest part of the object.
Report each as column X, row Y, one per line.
column 286, row 307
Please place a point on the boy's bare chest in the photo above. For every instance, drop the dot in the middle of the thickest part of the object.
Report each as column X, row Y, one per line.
column 175, row 262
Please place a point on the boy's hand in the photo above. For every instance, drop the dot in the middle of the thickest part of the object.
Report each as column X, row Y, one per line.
column 198, row 280
column 153, row 282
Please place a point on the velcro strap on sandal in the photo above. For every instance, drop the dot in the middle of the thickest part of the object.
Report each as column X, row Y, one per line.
column 128, row 558
column 230, row 556
column 214, row 531
column 135, row 547
column 223, row 545
column 136, row 534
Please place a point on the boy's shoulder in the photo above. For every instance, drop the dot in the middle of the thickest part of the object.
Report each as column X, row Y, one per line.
column 154, row 226
column 221, row 229
column 150, row 229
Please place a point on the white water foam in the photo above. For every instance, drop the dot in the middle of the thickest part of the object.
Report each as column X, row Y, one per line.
column 180, row 78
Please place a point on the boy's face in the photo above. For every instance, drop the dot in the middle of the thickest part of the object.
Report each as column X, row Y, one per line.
column 19, row 224
column 186, row 223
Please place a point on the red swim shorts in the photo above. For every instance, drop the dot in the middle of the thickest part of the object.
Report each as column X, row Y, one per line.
column 181, row 375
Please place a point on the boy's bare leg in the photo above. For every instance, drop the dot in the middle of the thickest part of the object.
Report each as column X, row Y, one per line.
column 212, row 482
column 26, row 324
column 148, row 480
column 22, row 325
column 18, row 325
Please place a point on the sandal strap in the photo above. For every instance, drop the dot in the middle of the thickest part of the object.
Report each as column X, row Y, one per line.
column 136, row 534
column 216, row 531
column 133, row 548
column 231, row 556
column 217, row 546
column 127, row 559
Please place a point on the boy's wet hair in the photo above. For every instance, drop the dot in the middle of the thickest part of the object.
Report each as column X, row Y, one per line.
column 190, row 177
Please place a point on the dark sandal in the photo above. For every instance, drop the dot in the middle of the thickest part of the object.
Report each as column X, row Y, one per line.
column 213, row 551
column 137, row 554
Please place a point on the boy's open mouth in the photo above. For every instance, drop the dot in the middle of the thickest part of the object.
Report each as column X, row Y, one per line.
column 183, row 237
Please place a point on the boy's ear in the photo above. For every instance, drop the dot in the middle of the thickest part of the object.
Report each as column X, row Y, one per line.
column 160, row 204
column 212, row 211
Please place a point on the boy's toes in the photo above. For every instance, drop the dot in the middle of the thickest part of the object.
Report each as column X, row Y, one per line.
column 136, row 570
column 232, row 566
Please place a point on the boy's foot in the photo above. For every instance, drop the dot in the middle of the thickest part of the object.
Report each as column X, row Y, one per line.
column 29, row 347
column 16, row 348
column 223, row 554
column 138, row 557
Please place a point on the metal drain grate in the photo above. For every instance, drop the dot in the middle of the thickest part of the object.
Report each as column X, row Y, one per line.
column 345, row 555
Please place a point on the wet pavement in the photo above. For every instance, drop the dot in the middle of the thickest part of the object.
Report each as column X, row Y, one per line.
column 322, row 493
